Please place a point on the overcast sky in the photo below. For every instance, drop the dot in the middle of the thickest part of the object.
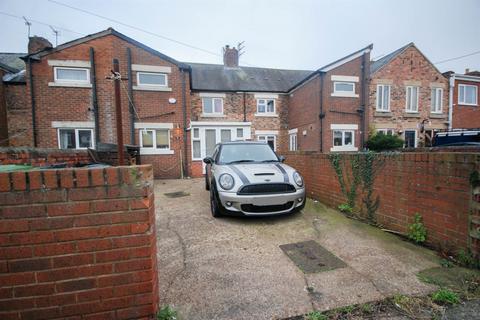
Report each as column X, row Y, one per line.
column 289, row 34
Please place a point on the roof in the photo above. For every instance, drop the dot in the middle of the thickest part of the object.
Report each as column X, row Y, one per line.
column 109, row 31
column 15, row 78
column 217, row 77
column 11, row 62
column 380, row 63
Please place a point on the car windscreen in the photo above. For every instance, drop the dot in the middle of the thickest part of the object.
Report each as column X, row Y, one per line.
column 235, row 153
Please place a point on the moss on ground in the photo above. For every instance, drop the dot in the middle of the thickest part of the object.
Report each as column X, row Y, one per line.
column 465, row 282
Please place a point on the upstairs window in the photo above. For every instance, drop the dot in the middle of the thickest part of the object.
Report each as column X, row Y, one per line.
column 412, row 99
column 151, row 79
column 467, row 94
column 437, row 100
column 383, row 98
column 212, row 106
column 265, row 106
column 69, row 75
column 75, row 138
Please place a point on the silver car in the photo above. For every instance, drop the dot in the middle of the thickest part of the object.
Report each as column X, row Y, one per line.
column 248, row 178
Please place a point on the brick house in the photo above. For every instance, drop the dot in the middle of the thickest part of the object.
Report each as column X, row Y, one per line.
column 464, row 100
column 327, row 110
column 408, row 96
column 73, row 101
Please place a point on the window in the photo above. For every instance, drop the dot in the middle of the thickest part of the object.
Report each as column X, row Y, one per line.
column 410, row 139
column 412, row 99
column 292, row 141
column 240, row 133
column 75, row 138
column 388, row 132
column 467, row 94
column 436, row 98
column 212, row 106
column 77, row 75
column 196, row 144
column 383, row 98
column 344, row 88
column 158, row 139
column 265, row 106
column 343, row 138
column 269, row 139
column 226, row 135
column 151, row 79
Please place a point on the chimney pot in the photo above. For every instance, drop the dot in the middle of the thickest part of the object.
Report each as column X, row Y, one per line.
column 230, row 57
column 467, row 70
column 36, row 44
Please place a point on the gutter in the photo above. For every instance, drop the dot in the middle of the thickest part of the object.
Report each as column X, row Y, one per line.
column 130, row 93
column 450, row 101
column 32, row 101
column 93, row 81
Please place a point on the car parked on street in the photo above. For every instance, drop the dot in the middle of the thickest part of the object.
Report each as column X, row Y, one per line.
column 248, row 178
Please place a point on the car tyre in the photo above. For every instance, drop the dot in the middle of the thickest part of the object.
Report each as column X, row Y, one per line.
column 207, row 186
column 215, row 206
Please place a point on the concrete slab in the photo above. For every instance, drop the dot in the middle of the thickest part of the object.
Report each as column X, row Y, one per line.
column 233, row 268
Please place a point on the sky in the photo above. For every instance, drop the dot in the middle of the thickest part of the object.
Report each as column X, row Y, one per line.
column 286, row 34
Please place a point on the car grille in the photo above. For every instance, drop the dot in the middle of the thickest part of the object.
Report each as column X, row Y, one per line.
column 266, row 188
column 263, row 209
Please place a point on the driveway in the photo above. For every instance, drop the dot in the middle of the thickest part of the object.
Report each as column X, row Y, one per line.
column 233, row 268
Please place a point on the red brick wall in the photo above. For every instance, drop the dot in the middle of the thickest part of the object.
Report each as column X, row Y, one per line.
column 409, row 68
column 41, row 157
column 436, row 185
column 78, row 242
column 464, row 116
column 19, row 115
column 3, row 113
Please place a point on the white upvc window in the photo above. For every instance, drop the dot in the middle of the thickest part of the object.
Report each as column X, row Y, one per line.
column 436, row 98
column 410, row 138
column 344, row 89
column 196, row 144
column 411, row 103
column 292, row 138
column 212, row 106
column 152, row 79
column 265, row 106
column 270, row 139
column 383, row 98
column 155, row 141
column 467, row 94
column 72, row 138
column 388, row 132
column 343, row 136
column 71, row 75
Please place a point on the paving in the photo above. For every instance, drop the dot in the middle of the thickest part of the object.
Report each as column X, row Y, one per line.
column 234, row 268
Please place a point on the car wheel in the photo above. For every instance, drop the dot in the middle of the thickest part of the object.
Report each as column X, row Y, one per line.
column 207, row 186
column 215, row 206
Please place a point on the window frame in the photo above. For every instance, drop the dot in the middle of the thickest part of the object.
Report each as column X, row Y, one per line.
column 213, row 113
column 433, row 102
column 77, row 138
column 292, row 142
column 266, row 112
column 67, row 81
column 335, row 91
column 343, row 146
column 265, row 136
column 139, row 84
column 154, row 149
column 382, row 99
column 417, row 88
column 464, row 85
column 415, row 143
column 385, row 131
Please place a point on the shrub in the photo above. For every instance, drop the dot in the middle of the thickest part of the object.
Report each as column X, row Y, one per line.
column 345, row 208
column 383, row 142
column 467, row 259
column 417, row 231
column 167, row 313
column 445, row 296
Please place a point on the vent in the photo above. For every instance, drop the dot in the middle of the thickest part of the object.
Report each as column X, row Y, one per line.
column 266, row 188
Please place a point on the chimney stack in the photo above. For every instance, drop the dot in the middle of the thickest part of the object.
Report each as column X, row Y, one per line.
column 467, row 71
column 36, row 44
column 230, row 57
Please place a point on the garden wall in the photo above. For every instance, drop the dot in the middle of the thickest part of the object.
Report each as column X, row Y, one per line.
column 38, row 157
column 78, row 242
column 436, row 185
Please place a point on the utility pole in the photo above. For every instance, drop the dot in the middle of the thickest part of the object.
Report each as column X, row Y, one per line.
column 118, row 112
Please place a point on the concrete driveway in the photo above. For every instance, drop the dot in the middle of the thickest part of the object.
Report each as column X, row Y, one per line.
column 233, row 268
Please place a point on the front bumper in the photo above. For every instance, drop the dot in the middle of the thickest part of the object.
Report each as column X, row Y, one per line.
column 263, row 202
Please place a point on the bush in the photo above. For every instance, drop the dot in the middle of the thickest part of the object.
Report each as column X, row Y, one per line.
column 345, row 208
column 417, row 231
column 167, row 313
column 383, row 142
column 445, row 296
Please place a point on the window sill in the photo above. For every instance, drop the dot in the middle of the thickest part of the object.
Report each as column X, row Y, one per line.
column 149, row 151
column 412, row 115
column 344, row 95
column 205, row 115
column 344, row 149
column 151, row 88
column 437, row 115
column 271, row 115
column 70, row 84
column 383, row 114
column 466, row 105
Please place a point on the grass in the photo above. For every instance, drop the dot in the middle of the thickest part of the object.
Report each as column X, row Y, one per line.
column 445, row 296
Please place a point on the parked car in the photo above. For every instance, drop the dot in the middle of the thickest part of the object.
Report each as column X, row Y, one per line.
column 248, row 178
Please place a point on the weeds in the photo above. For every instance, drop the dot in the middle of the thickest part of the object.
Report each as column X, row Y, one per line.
column 445, row 296
column 345, row 208
column 167, row 313
column 417, row 231
column 316, row 315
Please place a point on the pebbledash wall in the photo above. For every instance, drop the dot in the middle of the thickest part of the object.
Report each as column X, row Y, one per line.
column 78, row 242
column 436, row 185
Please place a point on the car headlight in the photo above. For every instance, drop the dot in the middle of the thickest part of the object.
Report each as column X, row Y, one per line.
column 226, row 181
column 298, row 179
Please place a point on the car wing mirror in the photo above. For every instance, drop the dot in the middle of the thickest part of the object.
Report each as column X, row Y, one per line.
column 281, row 158
column 208, row 160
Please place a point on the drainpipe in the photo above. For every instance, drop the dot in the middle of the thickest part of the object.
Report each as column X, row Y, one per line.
column 93, row 80
column 450, row 101
column 32, row 101
column 130, row 93
column 244, row 108
column 363, row 107
column 321, row 115
column 184, row 110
